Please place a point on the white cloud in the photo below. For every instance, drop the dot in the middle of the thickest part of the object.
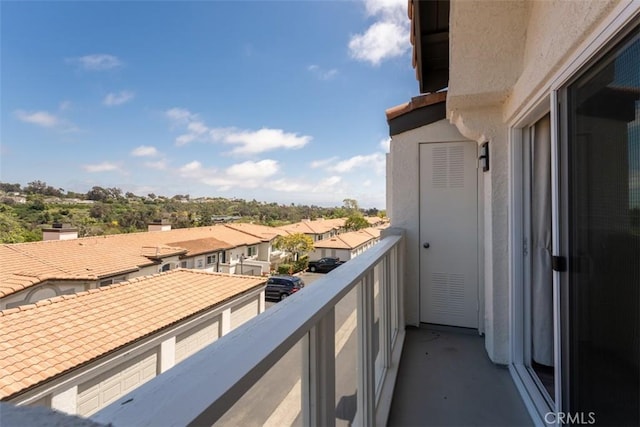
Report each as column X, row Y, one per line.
column 158, row 165
column 328, row 182
column 40, row 118
column 322, row 163
column 119, row 98
column 385, row 144
column 97, row 62
column 375, row 161
column 241, row 175
column 388, row 37
column 253, row 170
column 321, row 73
column 64, row 105
column 291, row 186
column 197, row 128
column 254, row 142
column 180, row 115
column 101, row 167
column 144, row 151
column 247, row 142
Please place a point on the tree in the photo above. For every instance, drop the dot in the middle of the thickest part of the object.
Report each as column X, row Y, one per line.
column 351, row 205
column 98, row 194
column 298, row 244
column 356, row 222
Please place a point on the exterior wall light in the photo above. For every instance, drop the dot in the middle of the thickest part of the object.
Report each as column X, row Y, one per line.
column 484, row 156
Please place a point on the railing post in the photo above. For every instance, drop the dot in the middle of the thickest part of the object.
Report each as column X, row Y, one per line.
column 385, row 312
column 366, row 358
column 318, row 376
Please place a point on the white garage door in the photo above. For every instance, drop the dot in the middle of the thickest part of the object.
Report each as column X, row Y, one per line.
column 105, row 388
column 196, row 338
column 242, row 313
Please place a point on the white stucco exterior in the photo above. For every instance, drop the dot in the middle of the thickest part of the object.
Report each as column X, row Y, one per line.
column 506, row 59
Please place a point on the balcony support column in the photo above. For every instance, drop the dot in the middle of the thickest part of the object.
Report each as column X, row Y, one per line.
column 318, row 376
column 366, row 359
column 385, row 313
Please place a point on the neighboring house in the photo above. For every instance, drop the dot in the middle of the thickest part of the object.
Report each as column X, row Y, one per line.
column 374, row 220
column 38, row 270
column 346, row 245
column 266, row 253
column 77, row 353
column 318, row 229
column 518, row 190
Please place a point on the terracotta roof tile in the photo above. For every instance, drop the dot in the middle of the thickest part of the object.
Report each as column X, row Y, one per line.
column 350, row 240
column 318, row 226
column 91, row 258
column 90, row 325
column 262, row 232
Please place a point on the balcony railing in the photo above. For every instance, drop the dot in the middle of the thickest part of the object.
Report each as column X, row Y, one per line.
column 201, row 389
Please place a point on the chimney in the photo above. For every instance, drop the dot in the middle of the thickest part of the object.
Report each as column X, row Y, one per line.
column 59, row 231
column 159, row 225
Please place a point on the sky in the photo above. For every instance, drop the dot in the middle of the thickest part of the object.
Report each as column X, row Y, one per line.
column 277, row 101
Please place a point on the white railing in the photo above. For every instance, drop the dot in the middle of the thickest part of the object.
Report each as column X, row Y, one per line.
column 202, row 388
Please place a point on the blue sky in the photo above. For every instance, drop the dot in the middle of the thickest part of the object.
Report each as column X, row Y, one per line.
column 272, row 100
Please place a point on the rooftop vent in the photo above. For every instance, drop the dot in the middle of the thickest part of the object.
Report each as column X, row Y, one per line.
column 59, row 231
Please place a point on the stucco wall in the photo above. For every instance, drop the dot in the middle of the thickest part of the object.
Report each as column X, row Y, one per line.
column 404, row 197
column 504, row 56
column 554, row 31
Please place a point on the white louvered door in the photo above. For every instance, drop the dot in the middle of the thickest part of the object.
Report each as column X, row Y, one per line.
column 449, row 234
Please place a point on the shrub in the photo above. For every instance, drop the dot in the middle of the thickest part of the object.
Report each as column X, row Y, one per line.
column 285, row 268
column 301, row 264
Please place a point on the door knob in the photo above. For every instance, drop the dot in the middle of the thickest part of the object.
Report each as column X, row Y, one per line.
column 426, row 245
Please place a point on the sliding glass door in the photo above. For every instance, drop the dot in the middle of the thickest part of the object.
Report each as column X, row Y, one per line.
column 600, row 211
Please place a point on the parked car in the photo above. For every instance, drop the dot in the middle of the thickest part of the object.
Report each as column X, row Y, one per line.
column 280, row 287
column 324, row 265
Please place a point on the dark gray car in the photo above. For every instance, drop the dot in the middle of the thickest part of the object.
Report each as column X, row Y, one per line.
column 280, row 287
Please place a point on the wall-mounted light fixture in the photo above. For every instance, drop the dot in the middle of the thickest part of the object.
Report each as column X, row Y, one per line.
column 484, row 156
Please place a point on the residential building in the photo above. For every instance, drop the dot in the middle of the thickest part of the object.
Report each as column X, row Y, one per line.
column 265, row 254
column 38, row 270
column 77, row 353
column 345, row 245
column 518, row 189
column 317, row 229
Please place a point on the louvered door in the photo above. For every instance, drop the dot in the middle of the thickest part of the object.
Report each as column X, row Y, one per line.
column 448, row 234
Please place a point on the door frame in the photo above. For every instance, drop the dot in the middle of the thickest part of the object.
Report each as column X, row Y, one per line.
column 549, row 98
column 479, row 227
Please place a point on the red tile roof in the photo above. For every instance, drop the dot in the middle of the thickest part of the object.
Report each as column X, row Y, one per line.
column 91, row 258
column 53, row 336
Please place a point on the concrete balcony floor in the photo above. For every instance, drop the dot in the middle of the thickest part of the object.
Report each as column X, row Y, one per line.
column 445, row 378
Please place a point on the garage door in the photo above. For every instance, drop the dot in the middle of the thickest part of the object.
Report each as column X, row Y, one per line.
column 109, row 386
column 196, row 338
column 242, row 313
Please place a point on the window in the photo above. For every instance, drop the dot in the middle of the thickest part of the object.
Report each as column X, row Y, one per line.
column 252, row 250
column 211, row 259
column 200, row 263
column 183, row 264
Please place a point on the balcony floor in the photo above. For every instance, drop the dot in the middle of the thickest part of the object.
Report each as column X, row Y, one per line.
column 445, row 378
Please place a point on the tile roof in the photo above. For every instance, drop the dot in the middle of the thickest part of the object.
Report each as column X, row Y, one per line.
column 53, row 336
column 201, row 246
column 350, row 240
column 91, row 258
column 263, row 232
column 317, row 226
